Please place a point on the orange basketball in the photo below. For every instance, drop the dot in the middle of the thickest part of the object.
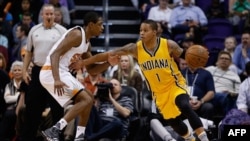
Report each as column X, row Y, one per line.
column 196, row 56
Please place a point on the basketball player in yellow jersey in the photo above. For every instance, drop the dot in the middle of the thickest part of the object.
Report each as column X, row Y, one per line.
column 155, row 57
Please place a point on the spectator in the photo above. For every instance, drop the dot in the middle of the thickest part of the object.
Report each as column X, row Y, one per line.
column 126, row 73
column 230, row 44
column 182, row 64
column 202, row 90
column 243, row 100
column 160, row 32
column 238, row 13
column 242, row 54
column 216, row 10
column 161, row 13
column 27, row 20
column 186, row 18
column 3, row 63
column 112, row 120
column 4, row 41
column 146, row 6
column 22, row 32
column 5, row 19
column 59, row 18
column 24, row 6
column 7, row 127
column 226, row 83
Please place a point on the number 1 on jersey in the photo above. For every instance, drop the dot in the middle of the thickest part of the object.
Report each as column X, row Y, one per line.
column 158, row 77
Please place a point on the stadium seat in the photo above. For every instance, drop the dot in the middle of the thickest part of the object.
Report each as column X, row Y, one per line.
column 214, row 45
column 220, row 27
column 203, row 4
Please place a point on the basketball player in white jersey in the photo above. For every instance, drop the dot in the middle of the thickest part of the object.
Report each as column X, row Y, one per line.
column 61, row 84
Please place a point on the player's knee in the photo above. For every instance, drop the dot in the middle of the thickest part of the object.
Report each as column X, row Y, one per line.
column 85, row 96
column 182, row 101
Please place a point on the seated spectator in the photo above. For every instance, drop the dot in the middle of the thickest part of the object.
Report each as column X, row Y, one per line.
column 126, row 73
column 3, row 63
column 216, row 10
column 243, row 100
column 238, row 13
column 230, row 45
column 145, row 6
column 11, row 94
column 175, row 3
column 226, row 83
column 187, row 17
column 160, row 32
column 203, row 91
column 161, row 13
column 110, row 118
column 182, row 64
column 242, row 54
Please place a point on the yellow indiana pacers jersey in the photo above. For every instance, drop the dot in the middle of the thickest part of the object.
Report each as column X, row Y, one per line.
column 162, row 76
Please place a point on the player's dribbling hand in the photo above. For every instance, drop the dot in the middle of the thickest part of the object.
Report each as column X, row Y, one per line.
column 59, row 87
column 113, row 59
column 75, row 66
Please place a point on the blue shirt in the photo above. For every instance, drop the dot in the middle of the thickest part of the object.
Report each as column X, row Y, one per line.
column 239, row 60
column 180, row 14
column 201, row 80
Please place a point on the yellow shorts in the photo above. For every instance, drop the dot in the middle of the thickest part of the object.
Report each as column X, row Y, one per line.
column 165, row 101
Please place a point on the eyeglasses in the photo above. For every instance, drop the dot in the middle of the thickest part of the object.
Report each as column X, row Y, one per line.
column 224, row 58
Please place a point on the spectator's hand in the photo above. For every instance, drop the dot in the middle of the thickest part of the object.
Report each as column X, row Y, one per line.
column 26, row 77
column 196, row 105
column 59, row 87
column 193, row 23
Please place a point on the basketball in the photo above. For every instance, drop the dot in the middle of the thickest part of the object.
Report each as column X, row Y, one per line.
column 196, row 56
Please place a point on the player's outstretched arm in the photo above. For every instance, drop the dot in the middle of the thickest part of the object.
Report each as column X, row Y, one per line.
column 100, row 62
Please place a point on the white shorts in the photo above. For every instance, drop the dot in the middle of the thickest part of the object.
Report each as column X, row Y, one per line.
column 47, row 81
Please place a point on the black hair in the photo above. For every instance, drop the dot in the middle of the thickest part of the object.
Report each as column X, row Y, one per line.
column 152, row 23
column 91, row 17
column 248, row 68
column 25, row 28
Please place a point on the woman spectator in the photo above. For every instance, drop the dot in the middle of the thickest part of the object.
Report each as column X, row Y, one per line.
column 10, row 96
column 127, row 74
